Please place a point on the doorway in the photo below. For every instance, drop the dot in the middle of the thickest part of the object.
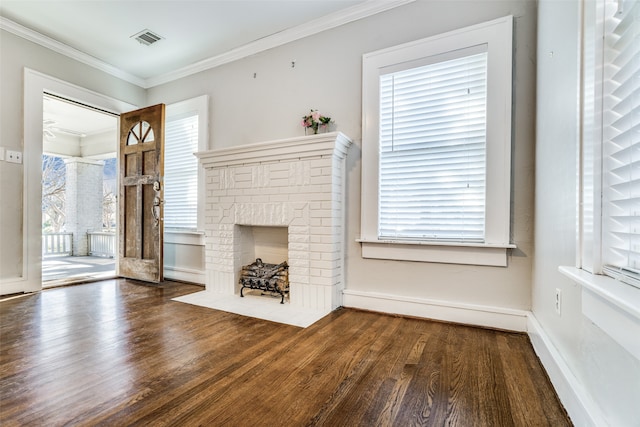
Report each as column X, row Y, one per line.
column 26, row 242
column 79, row 187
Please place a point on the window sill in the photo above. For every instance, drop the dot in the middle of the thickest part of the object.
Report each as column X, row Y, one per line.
column 184, row 237
column 447, row 253
column 612, row 305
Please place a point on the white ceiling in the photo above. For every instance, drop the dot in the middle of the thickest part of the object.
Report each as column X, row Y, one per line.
column 72, row 130
column 197, row 34
column 70, row 118
column 193, row 31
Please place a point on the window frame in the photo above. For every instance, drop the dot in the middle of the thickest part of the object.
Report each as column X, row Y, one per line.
column 611, row 304
column 200, row 106
column 622, row 27
column 591, row 215
column 497, row 35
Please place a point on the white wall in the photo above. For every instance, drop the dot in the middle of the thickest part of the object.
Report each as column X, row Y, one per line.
column 327, row 76
column 601, row 370
column 184, row 257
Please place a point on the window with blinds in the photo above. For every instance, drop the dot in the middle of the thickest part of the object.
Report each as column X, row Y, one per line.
column 181, row 172
column 433, row 149
column 621, row 142
column 436, row 147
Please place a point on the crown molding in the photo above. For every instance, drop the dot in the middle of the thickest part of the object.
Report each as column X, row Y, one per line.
column 327, row 22
column 310, row 28
column 68, row 51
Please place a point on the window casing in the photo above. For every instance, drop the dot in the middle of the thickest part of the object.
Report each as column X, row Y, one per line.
column 610, row 185
column 621, row 143
column 607, row 298
column 436, row 178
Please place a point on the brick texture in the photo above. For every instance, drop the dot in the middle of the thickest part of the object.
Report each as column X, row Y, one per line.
column 305, row 195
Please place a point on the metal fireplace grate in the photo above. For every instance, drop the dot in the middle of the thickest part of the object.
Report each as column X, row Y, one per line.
column 266, row 277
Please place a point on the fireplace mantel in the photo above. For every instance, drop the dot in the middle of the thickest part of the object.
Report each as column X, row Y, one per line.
column 297, row 183
column 335, row 143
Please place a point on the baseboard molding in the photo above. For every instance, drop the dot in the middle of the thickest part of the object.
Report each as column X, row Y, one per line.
column 580, row 407
column 18, row 285
column 184, row 275
column 478, row 315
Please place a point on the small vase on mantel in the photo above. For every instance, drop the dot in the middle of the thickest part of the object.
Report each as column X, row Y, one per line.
column 315, row 123
column 314, row 130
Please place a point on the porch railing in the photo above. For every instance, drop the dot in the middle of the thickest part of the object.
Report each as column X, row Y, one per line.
column 102, row 244
column 57, row 244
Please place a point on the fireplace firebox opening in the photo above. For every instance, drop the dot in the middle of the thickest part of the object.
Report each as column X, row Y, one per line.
column 269, row 245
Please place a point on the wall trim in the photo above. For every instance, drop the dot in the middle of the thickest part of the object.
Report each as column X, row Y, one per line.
column 68, row 51
column 611, row 304
column 470, row 314
column 582, row 410
column 192, row 238
column 316, row 26
column 184, row 275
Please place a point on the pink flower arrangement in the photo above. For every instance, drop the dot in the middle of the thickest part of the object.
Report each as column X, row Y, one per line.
column 314, row 120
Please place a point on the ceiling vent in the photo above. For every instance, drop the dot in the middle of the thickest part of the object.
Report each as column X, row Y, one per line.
column 146, row 37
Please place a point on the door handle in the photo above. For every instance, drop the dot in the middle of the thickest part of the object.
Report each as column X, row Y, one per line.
column 155, row 209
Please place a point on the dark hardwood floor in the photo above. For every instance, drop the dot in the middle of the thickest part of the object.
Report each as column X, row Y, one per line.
column 119, row 353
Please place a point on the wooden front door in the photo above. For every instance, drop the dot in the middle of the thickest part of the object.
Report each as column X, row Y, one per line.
column 141, row 194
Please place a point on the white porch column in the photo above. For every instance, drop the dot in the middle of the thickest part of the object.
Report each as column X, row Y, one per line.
column 83, row 211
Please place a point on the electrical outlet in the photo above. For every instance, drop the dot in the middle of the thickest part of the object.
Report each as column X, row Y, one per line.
column 13, row 156
column 558, row 305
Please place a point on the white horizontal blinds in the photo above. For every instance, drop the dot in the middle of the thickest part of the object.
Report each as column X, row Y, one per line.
column 181, row 173
column 621, row 143
column 433, row 151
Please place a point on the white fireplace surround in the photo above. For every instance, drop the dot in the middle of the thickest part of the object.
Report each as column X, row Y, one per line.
column 297, row 183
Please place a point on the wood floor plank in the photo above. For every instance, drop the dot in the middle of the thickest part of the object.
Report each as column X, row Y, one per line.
column 120, row 352
column 388, row 401
column 292, row 375
column 183, row 387
column 425, row 399
column 358, row 385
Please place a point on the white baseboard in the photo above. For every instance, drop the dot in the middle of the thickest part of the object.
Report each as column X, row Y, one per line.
column 184, row 275
column 580, row 407
column 8, row 287
column 479, row 315
column 18, row 285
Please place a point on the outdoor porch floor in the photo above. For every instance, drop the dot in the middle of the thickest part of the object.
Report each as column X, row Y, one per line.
column 59, row 270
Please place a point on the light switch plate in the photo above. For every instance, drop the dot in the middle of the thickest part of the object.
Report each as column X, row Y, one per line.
column 13, row 156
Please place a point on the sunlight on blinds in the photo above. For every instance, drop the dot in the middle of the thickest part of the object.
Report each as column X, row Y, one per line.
column 181, row 173
column 433, row 151
column 621, row 146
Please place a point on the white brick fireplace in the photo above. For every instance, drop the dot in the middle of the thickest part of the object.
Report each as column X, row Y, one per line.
column 296, row 183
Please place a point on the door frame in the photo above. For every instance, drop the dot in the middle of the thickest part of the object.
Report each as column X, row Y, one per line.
column 35, row 84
